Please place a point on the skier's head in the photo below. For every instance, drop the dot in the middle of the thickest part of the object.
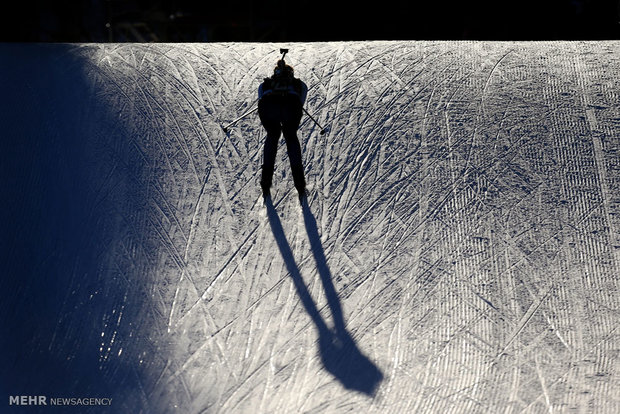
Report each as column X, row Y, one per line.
column 283, row 68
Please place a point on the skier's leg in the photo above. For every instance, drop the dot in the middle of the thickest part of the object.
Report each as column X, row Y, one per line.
column 294, row 155
column 289, row 128
column 269, row 119
column 269, row 159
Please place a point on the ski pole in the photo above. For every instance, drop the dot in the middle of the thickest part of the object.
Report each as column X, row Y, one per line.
column 315, row 121
column 225, row 128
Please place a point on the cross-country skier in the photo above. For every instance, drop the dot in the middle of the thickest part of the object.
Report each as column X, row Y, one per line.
column 281, row 99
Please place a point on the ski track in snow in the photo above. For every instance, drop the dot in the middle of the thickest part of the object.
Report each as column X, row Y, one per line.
column 463, row 225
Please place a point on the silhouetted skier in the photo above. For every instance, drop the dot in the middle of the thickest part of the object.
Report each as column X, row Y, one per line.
column 281, row 99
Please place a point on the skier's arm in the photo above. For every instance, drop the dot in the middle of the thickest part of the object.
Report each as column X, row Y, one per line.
column 264, row 88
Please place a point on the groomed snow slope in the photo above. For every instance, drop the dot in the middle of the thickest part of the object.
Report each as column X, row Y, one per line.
column 462, row 233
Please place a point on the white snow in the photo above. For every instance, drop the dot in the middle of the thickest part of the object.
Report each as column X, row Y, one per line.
column 462, row 232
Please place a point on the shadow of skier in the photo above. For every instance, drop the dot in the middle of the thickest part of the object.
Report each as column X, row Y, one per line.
column 338, row 351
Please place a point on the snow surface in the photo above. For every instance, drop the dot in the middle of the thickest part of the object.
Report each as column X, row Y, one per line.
column 462, row 235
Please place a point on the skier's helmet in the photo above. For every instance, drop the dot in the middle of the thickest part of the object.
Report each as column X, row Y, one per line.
column 283, row 68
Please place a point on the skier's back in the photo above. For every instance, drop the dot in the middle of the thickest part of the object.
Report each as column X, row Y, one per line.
column 281, row 99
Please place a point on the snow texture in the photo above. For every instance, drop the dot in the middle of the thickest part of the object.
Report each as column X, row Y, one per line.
column 459, row 252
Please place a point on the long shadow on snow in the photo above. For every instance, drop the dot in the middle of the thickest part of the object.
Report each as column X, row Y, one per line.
column 339, row 353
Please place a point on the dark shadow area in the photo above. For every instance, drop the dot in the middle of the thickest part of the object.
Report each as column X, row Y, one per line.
column 70, row 318
column 338, row 351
